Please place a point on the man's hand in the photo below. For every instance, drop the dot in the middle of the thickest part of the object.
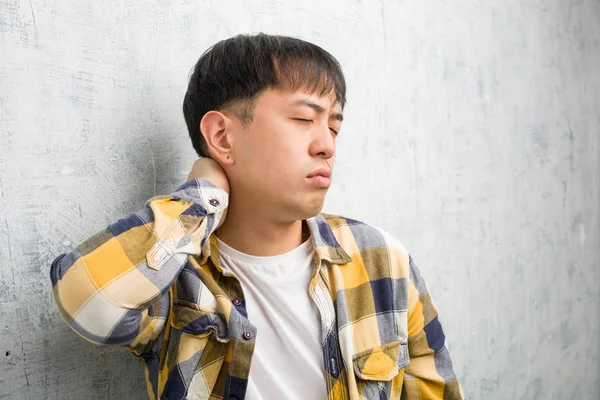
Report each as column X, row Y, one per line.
column 209, row 169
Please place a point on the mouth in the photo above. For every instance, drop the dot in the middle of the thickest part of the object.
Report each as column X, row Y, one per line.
column 320, row 177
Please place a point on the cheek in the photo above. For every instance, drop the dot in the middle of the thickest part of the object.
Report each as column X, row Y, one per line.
column 265, row 159
column 274, row 153
column 280, row 164
column 280, row 147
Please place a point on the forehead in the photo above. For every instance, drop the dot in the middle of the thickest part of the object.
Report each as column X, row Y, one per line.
column 289, row 99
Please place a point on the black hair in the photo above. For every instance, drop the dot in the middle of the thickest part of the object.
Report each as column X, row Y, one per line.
column 234, row 72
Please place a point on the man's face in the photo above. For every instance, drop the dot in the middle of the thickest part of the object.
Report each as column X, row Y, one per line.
column 292, row 136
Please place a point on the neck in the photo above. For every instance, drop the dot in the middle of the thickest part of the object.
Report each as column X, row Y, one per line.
column 253, row 231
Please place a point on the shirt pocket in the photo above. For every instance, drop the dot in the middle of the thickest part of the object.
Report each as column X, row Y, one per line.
column 376, row 368
column 190, row 318
column 198, row 344
column 381, row 363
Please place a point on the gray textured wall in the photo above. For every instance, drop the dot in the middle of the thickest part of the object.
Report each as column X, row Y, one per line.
column 472, row 134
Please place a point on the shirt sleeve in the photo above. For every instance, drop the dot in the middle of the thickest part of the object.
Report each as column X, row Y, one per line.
column 114, row 287
column 430, row 373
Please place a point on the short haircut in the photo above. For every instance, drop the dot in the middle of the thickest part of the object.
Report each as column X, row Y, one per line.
column 230, row 76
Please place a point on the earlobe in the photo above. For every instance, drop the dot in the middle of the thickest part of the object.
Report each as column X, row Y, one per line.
column 214, row 129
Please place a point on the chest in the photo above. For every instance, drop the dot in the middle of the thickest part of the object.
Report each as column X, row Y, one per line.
column 358, row 323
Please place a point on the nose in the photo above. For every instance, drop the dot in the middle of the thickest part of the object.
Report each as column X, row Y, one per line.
column 323, row 144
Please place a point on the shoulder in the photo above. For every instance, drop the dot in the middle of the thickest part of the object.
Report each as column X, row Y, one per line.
column 356, row 236
column 379, row 254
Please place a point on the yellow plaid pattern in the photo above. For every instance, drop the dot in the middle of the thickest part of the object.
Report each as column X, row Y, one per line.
column 152, row 282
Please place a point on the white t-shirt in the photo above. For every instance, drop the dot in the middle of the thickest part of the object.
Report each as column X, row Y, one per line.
column 288, row 359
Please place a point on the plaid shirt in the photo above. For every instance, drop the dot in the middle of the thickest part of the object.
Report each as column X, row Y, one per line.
column 153, row 283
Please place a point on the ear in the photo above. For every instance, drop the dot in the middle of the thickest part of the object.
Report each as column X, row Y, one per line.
column 214, row 127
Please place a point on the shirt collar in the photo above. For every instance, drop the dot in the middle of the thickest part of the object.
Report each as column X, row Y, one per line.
column 325, row 244
column 324, row 241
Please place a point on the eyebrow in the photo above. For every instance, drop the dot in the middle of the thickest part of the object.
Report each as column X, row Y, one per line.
column 318, row 108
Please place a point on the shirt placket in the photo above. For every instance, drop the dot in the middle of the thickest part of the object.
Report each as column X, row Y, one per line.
column 333, row 363
column 243, row 338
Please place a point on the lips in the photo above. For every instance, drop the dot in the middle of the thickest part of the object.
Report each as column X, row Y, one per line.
column 324, row 172
column 320, row 177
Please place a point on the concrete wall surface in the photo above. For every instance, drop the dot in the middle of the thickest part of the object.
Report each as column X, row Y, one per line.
column 471, row 133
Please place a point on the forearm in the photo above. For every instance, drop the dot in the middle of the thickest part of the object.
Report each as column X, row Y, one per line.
column 105, row 286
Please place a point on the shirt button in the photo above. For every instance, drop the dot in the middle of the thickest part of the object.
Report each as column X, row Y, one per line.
column 236, row 301
column 214, row 202
column 247, row 335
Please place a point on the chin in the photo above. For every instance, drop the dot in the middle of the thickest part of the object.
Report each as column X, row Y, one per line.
column 303, row 208
column 309, row 211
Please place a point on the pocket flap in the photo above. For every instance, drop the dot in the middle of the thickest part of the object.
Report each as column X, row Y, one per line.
column 189, row 318
column 381, row 363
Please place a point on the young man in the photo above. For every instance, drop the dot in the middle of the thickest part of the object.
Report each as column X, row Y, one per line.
column 234, row 286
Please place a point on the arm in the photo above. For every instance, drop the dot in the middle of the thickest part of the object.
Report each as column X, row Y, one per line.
column 114, row 287
column 430, row 374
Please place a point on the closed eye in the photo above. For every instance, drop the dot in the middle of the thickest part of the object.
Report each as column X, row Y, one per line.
column 310, row 121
